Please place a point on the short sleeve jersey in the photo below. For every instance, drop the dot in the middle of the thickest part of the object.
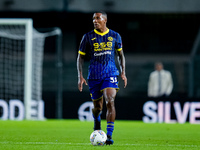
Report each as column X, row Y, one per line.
column 101, row 47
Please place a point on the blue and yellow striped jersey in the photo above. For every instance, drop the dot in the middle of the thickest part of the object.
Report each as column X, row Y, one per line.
column 101, row 48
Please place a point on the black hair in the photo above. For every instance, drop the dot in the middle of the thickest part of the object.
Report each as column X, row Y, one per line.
column 102, row 12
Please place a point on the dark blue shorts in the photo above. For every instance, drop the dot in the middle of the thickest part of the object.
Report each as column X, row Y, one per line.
column 96, row 87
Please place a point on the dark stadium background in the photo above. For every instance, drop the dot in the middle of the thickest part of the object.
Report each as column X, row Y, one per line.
column 148, row 36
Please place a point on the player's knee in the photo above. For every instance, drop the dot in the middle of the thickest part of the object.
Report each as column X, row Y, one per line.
column 110, row 102
column 97, row 110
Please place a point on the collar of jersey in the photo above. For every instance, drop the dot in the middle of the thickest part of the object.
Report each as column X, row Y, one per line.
column 102, row 34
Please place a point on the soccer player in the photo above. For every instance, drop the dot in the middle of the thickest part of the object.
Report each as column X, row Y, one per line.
column 101, row 44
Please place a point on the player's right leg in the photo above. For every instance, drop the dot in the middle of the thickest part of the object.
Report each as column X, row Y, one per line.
column 97, row 98
column 98, row 106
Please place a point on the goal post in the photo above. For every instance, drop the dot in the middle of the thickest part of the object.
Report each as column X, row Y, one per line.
column 28, row 67
column 28, row 26
column 21, row 62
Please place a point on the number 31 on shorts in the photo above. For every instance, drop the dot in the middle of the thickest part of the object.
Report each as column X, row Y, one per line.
column 113, row 79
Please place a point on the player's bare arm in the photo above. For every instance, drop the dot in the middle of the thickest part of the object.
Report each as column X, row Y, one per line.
column 121, row 60
column 81, row 79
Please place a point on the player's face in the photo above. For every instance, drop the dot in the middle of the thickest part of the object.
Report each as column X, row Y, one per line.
column 99, row 21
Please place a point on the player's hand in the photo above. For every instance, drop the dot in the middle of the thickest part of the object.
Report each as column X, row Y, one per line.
column 123, row 76
column 81, row 80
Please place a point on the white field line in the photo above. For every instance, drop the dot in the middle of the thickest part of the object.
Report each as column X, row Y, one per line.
column 43, row 143
column 57, row 143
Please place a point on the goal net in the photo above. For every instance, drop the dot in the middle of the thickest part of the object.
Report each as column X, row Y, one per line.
column 21, row 60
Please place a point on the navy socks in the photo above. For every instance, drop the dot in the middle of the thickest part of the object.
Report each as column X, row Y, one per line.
column 110, row 128
column 97, row 122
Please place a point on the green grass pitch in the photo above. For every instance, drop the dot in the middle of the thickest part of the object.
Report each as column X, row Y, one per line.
column 74, row 134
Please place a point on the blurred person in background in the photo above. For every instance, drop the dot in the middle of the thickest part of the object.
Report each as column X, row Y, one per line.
column 101, row 44
column 160, row 82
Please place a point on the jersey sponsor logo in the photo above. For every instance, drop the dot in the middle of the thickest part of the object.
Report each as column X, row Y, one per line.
column 102, row 46
column 102, row 53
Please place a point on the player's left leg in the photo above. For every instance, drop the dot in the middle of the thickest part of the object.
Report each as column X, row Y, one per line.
column 109, row 95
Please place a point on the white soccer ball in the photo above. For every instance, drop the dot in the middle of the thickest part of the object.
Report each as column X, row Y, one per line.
column 98, row 137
